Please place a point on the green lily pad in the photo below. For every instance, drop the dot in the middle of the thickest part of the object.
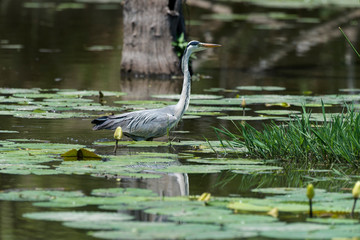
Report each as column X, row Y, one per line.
column 99, row 108
column 112, row 192
column 163, row 203
column 250, row 118
column 312, row 231
column 18, row 90
column 278, row 112
column 49, row 115
column 193, row 96
column 174, row 231
column 261, row 88
column 333, row 221
column 241, row 161
column 36, row 195
column 215, row 109
column 83, row 93
column 193, row 169
column 99, row 48
column 8, row 131
column 145, row 103
column 76, row 216
column 204, row 113
column 133, row 143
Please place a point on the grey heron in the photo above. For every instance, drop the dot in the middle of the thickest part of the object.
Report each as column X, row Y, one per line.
column 153, row 123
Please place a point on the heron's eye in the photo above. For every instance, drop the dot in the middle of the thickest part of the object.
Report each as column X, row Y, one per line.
column 193, row 43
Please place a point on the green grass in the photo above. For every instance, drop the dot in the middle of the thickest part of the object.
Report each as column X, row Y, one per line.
column 335, row 140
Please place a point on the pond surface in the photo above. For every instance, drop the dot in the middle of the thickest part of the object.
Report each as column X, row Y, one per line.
column 78, row 46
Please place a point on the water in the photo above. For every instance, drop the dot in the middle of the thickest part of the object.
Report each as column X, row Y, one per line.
column 51, row 49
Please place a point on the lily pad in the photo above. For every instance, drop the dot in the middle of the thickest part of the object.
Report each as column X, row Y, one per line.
column 193, row 96
column 250, row 118
column 241, row 161
column 36, row 194
column 76, row 216
column 8, row 131
column 112, row 192
column 261, row 88
column 278, row 112
column 174, row 231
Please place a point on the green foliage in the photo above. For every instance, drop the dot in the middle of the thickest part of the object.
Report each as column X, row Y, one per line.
column 336, row 140
column 180, row 45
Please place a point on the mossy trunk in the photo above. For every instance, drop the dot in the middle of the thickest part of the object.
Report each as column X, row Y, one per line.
column 147, row 48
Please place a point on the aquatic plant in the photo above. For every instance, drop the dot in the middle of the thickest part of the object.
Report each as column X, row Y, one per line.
column 355, row 193
column 332, row 139
column 310, row 193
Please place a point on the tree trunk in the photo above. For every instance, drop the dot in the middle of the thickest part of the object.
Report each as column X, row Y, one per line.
column 147, row 48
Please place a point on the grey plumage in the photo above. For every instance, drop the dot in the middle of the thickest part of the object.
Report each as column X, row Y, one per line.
column 153, row 123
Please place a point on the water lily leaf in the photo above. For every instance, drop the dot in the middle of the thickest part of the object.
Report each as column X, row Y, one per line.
column 193, row 96
column 250, row 118
column 81, row 154
column 163, row 203
column 57, row 204
column 16, row 100
column 36, row 195
column 121, row 225
column 145, row 103
column 215, row 109
column 261, row 88
column 166, row 231
column 99, row 108
column 8, row 131
column 333, row 221
column 18, row 90
column 38, row 95
column 312, row 231
column 204, row 113
column 194, row 169
column 278, row 112
column 133, row 143
column 87, row 93
column 76, row 216
column 224, row 218
column 99, row 48
column 112, row 192
column 242, row 161
column 49, row 115
column 240, row 206
column 187, row 117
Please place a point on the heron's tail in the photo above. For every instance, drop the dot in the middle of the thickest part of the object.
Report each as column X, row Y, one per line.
column 99, row 122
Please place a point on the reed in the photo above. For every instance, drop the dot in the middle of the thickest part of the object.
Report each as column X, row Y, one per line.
column 334, row 140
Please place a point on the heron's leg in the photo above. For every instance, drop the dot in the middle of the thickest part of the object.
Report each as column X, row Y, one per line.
column 116, row 145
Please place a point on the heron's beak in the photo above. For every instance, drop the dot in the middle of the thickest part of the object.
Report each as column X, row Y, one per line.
column 209, row 45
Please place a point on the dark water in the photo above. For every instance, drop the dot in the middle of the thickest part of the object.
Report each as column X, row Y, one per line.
column 50, row 49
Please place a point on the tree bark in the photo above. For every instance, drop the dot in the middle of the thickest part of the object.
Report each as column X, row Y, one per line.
column 147, row 48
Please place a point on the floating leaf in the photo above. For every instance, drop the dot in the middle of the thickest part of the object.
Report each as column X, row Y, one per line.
column 76, row 216
column 81, row 154
column 36, row 195
column 278, row 112
column 261, row 88
column 193, row 96
column 250, row 118
column 112, row 192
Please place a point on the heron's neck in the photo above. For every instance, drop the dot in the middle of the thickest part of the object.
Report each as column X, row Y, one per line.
column 183, row 103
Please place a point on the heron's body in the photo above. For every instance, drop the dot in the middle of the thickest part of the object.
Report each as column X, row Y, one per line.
column 153, row 123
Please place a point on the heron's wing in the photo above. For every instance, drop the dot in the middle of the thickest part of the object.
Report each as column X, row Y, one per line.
column 145, row 123
column 151, row 123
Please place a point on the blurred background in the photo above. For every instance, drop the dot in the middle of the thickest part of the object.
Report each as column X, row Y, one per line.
column 78, row 44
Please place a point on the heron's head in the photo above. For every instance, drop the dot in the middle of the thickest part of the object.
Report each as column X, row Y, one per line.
column 196, row 46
